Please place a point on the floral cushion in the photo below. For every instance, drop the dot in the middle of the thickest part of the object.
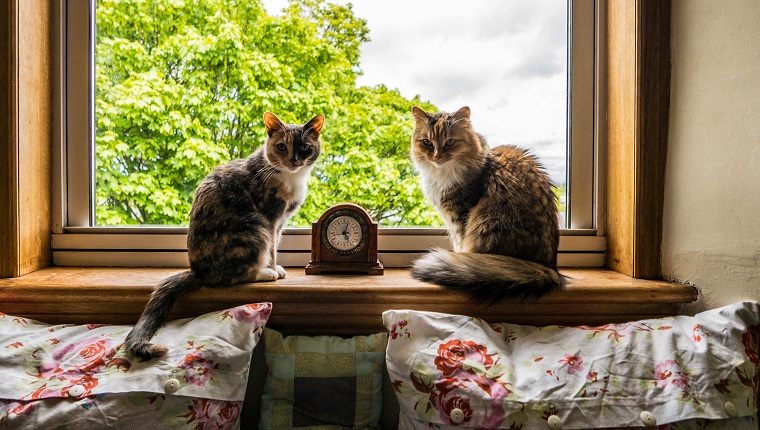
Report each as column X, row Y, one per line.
column 80, row 377
column 679, row 372
column 322, row 382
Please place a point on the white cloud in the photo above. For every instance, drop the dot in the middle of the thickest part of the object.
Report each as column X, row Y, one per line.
column 504, row 59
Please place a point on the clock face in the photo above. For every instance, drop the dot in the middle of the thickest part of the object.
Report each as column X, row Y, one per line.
column 344, row 240
column 344, row 233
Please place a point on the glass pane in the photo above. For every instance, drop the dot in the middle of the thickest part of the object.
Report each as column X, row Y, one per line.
column 181, row 86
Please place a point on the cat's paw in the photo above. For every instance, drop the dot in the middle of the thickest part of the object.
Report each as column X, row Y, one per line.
column 266, row 275
column 280, row 272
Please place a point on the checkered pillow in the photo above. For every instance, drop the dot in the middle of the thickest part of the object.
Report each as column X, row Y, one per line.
column 322, row 381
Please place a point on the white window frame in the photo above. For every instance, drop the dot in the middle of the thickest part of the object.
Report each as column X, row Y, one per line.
column 77, row 242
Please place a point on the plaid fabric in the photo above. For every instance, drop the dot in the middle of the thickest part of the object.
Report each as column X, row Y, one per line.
column 324, row 382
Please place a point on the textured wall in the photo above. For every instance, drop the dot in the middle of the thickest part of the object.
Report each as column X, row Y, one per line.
column 711, row 225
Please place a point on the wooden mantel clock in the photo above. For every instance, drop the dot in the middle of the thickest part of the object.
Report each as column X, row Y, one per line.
column 344, row 240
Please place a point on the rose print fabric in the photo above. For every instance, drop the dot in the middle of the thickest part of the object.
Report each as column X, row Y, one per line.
column 451, row 371
column 80, row 377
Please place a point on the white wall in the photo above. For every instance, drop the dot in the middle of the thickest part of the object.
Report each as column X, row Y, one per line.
column 711, row 225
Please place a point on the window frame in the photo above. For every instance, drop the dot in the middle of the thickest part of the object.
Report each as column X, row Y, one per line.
column 76, row 242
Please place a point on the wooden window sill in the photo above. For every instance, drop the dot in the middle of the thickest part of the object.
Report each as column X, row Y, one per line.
column 331, row 304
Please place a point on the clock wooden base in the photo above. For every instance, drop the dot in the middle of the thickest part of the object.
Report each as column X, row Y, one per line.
column 314, row 268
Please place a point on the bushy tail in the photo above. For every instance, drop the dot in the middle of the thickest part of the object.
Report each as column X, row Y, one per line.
column 161, row 301
column 487, row 278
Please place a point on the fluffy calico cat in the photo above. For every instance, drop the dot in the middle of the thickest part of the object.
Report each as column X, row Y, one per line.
column 236, row 222
column 499, row 207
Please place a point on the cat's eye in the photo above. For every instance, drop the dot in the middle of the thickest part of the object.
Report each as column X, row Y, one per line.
column 427, row 143
column 305, row 147
column 282, row 147
column 449, row 142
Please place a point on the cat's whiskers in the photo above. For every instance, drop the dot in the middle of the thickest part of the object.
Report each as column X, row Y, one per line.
column 265, row 174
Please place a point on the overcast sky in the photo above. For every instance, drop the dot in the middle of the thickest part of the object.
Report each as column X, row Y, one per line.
column 506, row 60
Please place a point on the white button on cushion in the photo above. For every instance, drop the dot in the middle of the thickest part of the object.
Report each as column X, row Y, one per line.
column 555, row 422
column 648, row 418
column 457, row 416
column 76, row 391
column 171, row 386
column 730, row 409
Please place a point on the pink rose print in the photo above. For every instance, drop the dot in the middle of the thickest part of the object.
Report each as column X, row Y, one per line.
column 669, row 372
column 396, row 329
column 467, row 389
column 87, row 356
column 452, row 353
column 75, row 364
column 446, row 401
column 197, row 370
column 213, row 414
column 255, row 313
column 9, row 408
column 573, row 363
column 88, row 382
column 41, row 393
column 479, row 398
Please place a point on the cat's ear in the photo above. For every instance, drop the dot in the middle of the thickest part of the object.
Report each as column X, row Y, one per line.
column 272, row 123
column 420, row 115
column 316, row 123
column 462, row 113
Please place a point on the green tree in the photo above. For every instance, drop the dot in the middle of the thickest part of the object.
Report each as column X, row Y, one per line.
column 181, row 87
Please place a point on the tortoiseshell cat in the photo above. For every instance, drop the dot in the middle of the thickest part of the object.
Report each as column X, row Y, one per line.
column 236, row 222
column 499, row 207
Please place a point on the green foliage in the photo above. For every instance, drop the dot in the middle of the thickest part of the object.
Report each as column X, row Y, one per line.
column 561, row 194
column 181, row 87
column 366, row 161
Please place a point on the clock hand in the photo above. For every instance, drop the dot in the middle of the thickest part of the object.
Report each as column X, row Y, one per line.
column 345, row 231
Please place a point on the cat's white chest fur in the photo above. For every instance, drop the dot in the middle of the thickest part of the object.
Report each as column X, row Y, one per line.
column 437, row 179
column 295, row 183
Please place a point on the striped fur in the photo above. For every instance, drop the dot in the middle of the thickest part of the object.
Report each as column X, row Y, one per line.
column 161, row 300
column 487, row 278
column 499, row 206
column 236, row 222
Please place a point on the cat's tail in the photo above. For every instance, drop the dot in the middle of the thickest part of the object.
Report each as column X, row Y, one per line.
column 487, row 278
column 161, row 301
